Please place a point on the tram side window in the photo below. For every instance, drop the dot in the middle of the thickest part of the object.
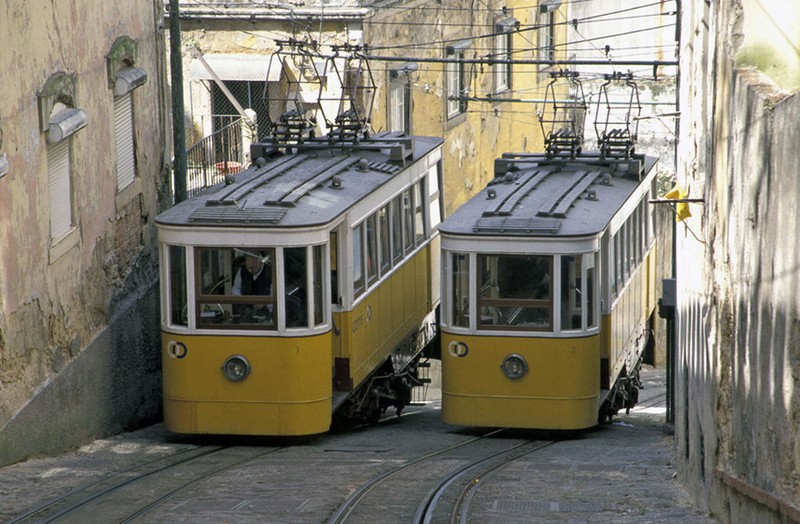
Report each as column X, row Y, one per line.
column 235, row 287
column 651, row 226
column 642, row 234
column 397, row 228
column 645, row 218
column 419, row 212
column 515, row 291
column 318, row 254
column 635, row 238
column 358, row 262
column 408, row 221
column 625, row 251
column 616, row 270
column 385, row 239
column 334, row 255
column 590, row 294
column 372, row 248
column 571, row 304
column 295, row 264
column 460, row 290
column 177, row 286
column 433, row 196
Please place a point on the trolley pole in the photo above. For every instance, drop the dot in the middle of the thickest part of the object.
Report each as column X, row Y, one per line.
column 178, row 130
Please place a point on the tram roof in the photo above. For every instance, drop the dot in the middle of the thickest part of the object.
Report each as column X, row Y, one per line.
column 534, row 196
column 312, row 185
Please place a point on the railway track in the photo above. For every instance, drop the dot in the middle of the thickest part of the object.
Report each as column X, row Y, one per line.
column 437, row 485
column 133, row 492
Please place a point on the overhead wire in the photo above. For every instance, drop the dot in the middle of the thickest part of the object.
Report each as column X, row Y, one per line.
column 304, row 25
column 301, row 26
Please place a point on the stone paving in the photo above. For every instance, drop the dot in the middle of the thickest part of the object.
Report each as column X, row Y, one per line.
column 619, row 473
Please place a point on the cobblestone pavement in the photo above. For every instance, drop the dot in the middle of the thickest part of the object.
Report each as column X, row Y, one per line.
column 620, row 473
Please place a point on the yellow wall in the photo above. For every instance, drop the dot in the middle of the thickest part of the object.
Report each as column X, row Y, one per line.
column 489, row 129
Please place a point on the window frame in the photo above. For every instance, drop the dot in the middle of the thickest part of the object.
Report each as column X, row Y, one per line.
column 456, row 80
column 547, row 304
column 399, row 101
column 546, row 34
column 503, row 50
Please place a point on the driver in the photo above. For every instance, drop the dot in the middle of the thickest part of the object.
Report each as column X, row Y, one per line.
column 254, row 277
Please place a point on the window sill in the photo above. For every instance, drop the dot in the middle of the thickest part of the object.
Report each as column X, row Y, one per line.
column 128, row 194
column 60, row 246
column 454, row 121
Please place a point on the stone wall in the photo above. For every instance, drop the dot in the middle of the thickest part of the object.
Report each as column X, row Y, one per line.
column 737, row 426
column 79, row 344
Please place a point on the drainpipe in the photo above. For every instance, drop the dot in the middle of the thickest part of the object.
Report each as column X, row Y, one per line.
column 178, row 130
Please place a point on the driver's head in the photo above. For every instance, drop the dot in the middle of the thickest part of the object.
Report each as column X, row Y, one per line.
column 253, row 264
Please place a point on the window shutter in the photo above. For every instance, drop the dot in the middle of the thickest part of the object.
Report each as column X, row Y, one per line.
column 123, row 134
column 60, row 189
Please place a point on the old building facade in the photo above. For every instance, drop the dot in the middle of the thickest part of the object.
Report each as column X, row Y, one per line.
column 482, row 108
column 83, row 169
column 737, row 433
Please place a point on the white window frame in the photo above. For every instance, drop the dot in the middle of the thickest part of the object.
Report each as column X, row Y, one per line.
column 456, row 80
column 546, row 41
column 398, row 105
column 503, row 51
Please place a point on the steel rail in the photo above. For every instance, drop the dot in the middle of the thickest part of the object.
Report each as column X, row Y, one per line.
column 347, row 507
column 427, row 508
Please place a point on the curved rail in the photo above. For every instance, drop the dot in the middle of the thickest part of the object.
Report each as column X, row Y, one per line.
column 347, row 507
column 427, row 508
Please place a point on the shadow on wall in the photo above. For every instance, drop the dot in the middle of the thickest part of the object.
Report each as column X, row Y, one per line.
column 113, row 385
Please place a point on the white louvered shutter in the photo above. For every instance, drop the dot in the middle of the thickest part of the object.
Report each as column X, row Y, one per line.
column 123, row 134
column 60, row 189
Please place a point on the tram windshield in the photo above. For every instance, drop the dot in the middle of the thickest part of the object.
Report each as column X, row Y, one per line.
column 548, row 293
column 250, row 288
column 515, row 291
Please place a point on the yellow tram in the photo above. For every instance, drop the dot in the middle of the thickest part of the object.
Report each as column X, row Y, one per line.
column 548, row 292
column 303, row 287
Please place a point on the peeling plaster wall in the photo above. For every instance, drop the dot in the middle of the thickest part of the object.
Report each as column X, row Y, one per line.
column 62, row 307
column 737, row 421
column 488, row 129
column 473, row 140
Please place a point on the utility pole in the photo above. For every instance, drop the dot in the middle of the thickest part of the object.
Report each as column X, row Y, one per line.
column 178, row 129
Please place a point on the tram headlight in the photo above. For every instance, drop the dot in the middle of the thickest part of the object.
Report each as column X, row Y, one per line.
column 236, row 368
column 514, row 366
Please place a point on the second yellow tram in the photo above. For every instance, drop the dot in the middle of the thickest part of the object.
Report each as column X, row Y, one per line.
column 548, row 278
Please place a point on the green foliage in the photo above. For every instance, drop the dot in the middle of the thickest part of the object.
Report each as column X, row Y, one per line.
column 772, row 63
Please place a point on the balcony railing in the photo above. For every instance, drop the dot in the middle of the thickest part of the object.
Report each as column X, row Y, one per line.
column 213, row 157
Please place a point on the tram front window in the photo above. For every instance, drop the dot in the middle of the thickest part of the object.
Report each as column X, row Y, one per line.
column 515, row 292
column 235, row 287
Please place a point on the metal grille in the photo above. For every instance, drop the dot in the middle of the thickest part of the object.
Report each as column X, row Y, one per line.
column 222, row 138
